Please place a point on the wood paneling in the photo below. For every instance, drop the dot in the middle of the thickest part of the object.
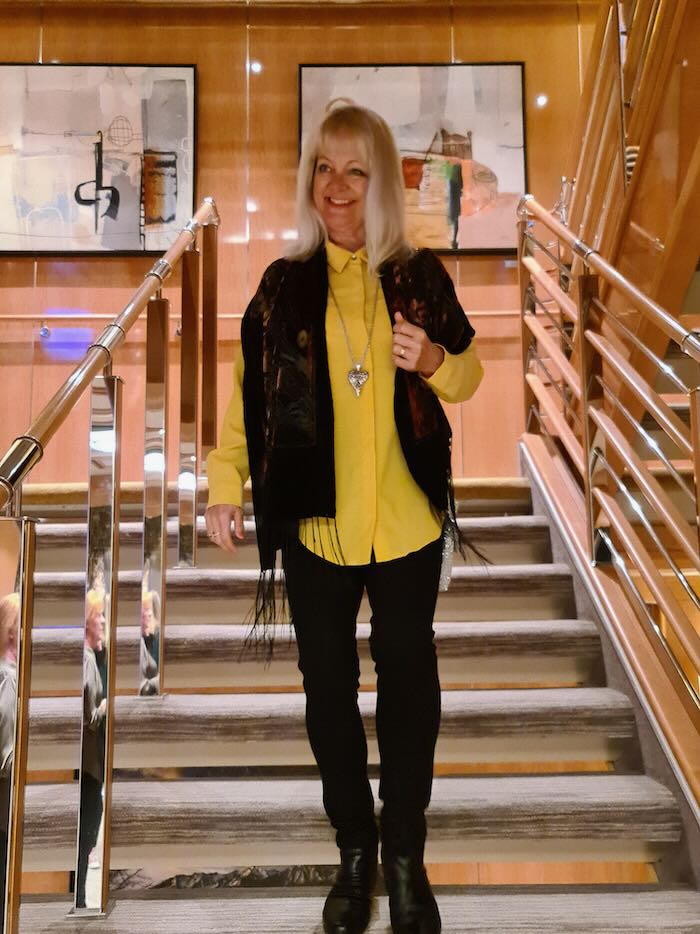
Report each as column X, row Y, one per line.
column 246, row 155
column 493, row 420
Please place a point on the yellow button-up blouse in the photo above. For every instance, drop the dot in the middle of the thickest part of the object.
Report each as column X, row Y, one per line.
column 380, row 508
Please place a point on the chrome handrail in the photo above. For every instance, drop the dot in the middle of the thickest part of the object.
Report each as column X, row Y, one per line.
column 585, row 418
column 28, row 449
column 687, row 340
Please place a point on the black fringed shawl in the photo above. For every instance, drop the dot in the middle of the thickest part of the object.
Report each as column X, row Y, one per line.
column 288, row 407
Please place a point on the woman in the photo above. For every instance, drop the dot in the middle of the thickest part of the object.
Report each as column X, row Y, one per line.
column 346, row 346
column 93, row 739
column 149, row 651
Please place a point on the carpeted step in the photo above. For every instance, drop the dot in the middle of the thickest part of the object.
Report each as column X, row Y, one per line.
column 477, row 592
column 503, row 539
column 486, row 912
column 519, row 651
column 250, row 729
column 204, row 823
column 68, row 501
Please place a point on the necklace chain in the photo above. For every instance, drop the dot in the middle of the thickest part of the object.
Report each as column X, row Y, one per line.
column 361, row 361
column 357, row 376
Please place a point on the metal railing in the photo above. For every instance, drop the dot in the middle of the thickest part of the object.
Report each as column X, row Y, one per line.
column 627, row 442
column 196, row 249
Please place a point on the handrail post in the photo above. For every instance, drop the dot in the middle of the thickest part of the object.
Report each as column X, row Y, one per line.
column 17, row 550
column 155, row 501
column 188, row 471
column 525, row 281
column 209, row 340
column 100, row 645
column 590, row 367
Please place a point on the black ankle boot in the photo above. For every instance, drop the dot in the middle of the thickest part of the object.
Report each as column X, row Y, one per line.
column 349, row 902
column 412, row 905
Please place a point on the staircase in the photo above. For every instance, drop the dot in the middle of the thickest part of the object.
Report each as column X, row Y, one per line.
column 538, row 768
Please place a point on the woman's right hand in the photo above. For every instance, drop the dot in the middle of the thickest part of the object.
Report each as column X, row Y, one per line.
column 219, row 520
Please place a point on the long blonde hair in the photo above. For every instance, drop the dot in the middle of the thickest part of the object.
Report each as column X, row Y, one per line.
column 385, row 221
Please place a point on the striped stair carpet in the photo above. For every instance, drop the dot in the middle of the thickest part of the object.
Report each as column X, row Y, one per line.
column 676, row 912
column 538, row 762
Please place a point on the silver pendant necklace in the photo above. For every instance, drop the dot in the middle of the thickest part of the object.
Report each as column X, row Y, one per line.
column 358, row 375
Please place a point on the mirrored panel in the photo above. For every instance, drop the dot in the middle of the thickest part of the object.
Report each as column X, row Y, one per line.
column 16, row 575
column 155, row 499
column 99, row 651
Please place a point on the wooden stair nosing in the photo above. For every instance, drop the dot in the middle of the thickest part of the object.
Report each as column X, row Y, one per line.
column 589, row 807
column 471, row 912
column 242, row 718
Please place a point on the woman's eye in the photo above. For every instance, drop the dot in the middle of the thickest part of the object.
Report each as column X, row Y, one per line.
column 358, row 172
column 323, row 167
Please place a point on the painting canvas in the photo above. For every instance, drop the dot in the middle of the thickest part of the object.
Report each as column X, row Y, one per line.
column 95, row 158
column 460, row 130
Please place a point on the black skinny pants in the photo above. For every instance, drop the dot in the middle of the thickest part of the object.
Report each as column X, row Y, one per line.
column 324, row 599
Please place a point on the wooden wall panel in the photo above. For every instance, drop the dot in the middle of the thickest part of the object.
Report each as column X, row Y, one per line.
column 493, row 420
column 246, row 158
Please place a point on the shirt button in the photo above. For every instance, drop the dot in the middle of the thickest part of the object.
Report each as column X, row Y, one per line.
column 354, row 256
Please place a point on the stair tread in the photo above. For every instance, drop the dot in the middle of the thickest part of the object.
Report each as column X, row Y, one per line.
column 185, row 642
column 64, row 533
column 600, row 807
column 534, row 578
column 253, row 717
column 245, row 912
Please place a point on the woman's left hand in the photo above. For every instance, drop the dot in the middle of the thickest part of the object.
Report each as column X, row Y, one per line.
column 413, row 350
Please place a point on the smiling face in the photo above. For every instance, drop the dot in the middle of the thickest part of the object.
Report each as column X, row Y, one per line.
column 95, row 628
column 341, row 177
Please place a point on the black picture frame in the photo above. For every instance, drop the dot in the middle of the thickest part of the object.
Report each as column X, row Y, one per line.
column 452, row 169
column 49, row 204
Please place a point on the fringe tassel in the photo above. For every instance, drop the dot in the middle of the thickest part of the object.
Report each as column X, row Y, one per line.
column 270, row 609
column 451, row 528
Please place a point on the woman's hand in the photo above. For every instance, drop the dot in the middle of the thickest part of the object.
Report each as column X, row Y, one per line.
column 219, row 520
column 413, row 350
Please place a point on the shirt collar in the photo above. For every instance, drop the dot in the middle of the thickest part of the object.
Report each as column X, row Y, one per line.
column 339, row 257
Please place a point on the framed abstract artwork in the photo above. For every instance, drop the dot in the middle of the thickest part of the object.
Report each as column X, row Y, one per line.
column 95, row 159
column 460, row 130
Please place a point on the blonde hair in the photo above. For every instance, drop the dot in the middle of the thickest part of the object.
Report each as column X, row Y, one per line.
column 94, row 602
column 9, row 611
column 151, row 599
column 385, row 221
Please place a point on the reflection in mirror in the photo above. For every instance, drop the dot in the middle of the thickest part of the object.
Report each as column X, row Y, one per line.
column 150, row 644
column 9, row 624
column 17, row 543
column 93, row 748
column 99, row 648
column 150, row 677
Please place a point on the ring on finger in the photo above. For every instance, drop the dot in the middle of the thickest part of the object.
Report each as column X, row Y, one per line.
column 402, row 352
column 214, row 534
